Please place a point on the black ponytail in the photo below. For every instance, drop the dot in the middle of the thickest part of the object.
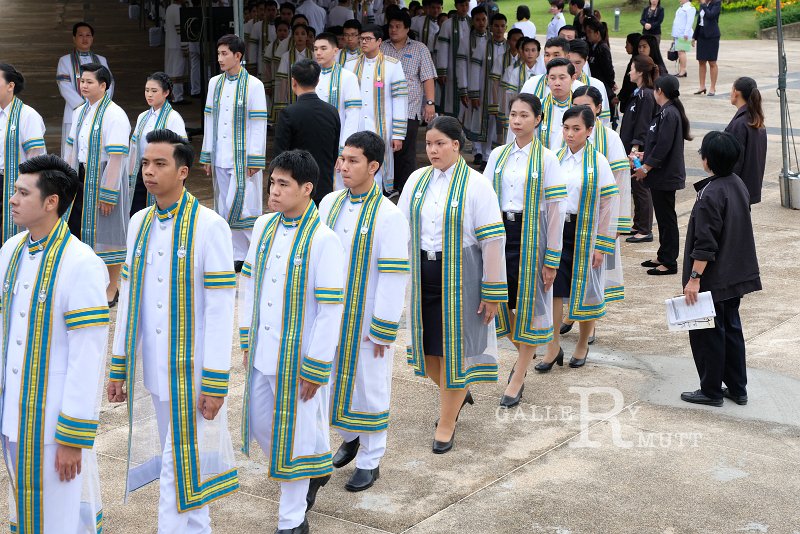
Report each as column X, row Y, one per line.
column 670, row 86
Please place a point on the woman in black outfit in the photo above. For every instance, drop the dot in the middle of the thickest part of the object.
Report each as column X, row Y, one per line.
column 633, row 132
column 600, row 54
column 748, row 127
column 648, row 46
column 664, row 172
column 706, row 38
column 626, row 91
column 652, row 17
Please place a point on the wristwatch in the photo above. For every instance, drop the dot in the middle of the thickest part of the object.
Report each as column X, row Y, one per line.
column 429, row 102
column 695, row 275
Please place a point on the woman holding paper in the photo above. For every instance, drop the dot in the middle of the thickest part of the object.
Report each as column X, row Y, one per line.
column 720, row 257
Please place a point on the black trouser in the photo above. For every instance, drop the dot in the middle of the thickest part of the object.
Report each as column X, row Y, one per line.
column 667, row 219
column 405, row 159
column 642, row 208
column 719, row 352
column 75, row 221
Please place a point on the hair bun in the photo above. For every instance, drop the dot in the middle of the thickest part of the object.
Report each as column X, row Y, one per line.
column 676, row 94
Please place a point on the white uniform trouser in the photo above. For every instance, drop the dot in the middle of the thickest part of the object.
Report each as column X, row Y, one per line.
column 62, row 500
column 485, row 147
column 169, row 519
column 195, row 68
column 225, row 187
column 372, row 447
column 292, row 508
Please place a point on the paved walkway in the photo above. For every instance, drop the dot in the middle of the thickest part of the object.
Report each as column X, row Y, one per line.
column 607, row 448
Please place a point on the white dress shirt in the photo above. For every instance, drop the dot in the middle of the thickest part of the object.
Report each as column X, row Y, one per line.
column 85, row 134
column 433, row 209
column 3, row 127
column 572, row 175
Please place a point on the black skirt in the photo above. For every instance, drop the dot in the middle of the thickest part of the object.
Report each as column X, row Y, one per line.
column 707, row 49
column 513, row 244
column 563, row 281
column 139, row 201
column 431, row 296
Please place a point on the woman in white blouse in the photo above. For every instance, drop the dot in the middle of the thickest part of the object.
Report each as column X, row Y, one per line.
column 458, row 274
column 160, row 116
column 589, row 234
column 527, row 179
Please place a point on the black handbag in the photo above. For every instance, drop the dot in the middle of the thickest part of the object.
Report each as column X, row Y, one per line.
column 672, row 54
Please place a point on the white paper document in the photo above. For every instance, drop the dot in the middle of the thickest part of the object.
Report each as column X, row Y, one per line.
column 681, row 316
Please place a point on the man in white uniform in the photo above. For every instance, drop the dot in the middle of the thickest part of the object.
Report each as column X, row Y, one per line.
column 374, row 234
column 55, row 332
column 175, row 52
column 289, row 321
column 234, row 143
column 338, row 87
column 21, row 138
column 68, row 75
column 314, row 14
column 384, row 99
column 173, row 330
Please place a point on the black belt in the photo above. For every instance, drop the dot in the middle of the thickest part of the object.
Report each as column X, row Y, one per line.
column 429, row 255
column 513, row 216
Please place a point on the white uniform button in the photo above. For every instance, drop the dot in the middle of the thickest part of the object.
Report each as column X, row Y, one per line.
column 160, row 278
column 266, row 327
column 351, row 208
column 22, row 314
column 158, row 305
column 160, row 252
column 19, row 342
column 346, row 230
column 163, row 226
column 274, row 279
column 278, row 255
column 269, row 303
column 158, row 330
column 26, row 285
column 15, row 370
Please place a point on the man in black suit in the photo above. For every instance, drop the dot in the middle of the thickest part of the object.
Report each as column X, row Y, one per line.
column 310, row 124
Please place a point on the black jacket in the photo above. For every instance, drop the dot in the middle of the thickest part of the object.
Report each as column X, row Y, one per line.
column 720, row 232
column 655, row 20
column 663, row 151
column 602, row 66
column 313, row 125
column 710, row 27
column 753, row 158
column 637, row 119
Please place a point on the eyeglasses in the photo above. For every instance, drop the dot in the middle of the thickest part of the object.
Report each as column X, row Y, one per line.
column 367, row 39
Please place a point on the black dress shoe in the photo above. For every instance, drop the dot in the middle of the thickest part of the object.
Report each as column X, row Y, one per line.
column 659, row 272
column 302, row 528
column 113, row 302
column 237, row 266
column 698, row 397
column 592, row 339
column 347, row 451
column 441, row 447
column 575, row 362
column 544, row 367
column 741, row 400
column 313, row 487
column 644, row 239
column 565, row 327
column 362, row 479
column 649, row 263
column 510, row 402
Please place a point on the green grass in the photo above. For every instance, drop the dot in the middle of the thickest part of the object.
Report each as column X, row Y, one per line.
column 736, row 25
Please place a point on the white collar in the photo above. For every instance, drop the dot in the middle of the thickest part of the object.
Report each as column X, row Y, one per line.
column 525, row 150
column 448, row 173
column 577, row 156
column 7, row 109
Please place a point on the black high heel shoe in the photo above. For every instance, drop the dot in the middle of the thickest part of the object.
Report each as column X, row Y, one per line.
column 576, row 363
column 113, row 302
column 467, row 400
column 544, row 367
column 441, row 447
column 510, row 402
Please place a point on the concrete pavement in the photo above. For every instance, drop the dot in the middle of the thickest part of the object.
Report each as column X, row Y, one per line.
column 607, row 448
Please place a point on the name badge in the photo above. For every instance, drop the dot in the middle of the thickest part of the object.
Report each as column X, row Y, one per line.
column 409, row 56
